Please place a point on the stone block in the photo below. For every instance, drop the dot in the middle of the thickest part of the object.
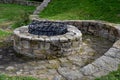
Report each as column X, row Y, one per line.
column 76, row 60
column 17, row 49
column 100, row 73
column 112, row 38
column 104, row 33
column 89, row 69
column 32, row 17
column 106, row 63
column 42, row 45
column 27, row 52
column 47, row 46
column 70, row 38
column 34, row 44
column 113, row 52
column 76, row 44
column 117, row 44
column 84, row 29
column 63, row 39
column 85, row 24
column 25, row 44
column 70, row 74
column 66, row 45
column 39, row 51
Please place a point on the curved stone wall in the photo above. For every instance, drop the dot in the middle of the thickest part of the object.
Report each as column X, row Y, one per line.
column 107, row 30
column 21, row 2
column 42, row 47
column 41, row 7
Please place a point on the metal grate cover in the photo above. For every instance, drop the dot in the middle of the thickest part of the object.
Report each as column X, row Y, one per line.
column 47, row 28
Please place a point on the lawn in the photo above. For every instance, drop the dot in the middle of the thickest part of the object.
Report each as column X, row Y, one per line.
column 107, row 10
column 11, row 14
column 5, row 77
column 115, row 75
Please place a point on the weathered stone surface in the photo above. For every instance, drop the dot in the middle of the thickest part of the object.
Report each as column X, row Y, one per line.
column 34, row 44
column 88, row 78
column 76, row 44
column 0, row 50
column 104, row 33
column 58, row 77
column 113, row 52
column 19, row 73
column 47, row 46
column 100, row 73
column 106, row 63
column 70, row 74
column 26, row 44
column 67, row 45
column 41, row 7
column 76, row 60
column 10, row 68
column 32, row 17
column 89, row 69
column 54, row 63
column 1, row 67
column 112, row 38
column 63, row 60
column 1, row 56
column 63, row 39
column 117, row 44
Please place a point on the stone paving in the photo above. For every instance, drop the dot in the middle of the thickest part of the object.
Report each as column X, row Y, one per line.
column 64, row 68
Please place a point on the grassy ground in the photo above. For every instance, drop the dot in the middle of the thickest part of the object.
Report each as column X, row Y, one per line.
column 108, row 10
column 4, row 34
column 115, row 75
column 10, row 14
column 4, row 77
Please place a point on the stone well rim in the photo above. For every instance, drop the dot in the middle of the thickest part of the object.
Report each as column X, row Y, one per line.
column 72, row 34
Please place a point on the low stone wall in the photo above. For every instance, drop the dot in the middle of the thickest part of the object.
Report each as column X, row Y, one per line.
column 41, row 7
column 21, row 2
column 45, row 47
column 107, row 30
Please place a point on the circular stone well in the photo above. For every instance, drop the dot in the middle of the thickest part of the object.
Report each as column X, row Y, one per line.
column 41, row 46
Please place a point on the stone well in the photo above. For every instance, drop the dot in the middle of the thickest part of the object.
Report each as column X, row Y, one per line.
column 42, row 47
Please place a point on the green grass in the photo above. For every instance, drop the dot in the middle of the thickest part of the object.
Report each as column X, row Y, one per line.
column 4, row 34
column 5, row 77
column 12, row 12
column 115, row 75
column 107, row 10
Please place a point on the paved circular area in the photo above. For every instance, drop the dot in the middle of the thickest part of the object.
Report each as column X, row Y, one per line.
column 56, row 69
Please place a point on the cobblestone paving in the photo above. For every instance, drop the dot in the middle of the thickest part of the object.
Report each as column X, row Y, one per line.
column 65, row 68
